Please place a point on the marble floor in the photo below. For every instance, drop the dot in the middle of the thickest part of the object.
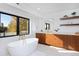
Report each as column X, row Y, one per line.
column 44, row 50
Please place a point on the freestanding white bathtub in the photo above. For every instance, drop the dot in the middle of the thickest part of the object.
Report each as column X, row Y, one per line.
column 23, row 47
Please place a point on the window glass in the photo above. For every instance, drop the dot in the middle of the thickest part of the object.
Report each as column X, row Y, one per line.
column 7, row 25
column 23, row 25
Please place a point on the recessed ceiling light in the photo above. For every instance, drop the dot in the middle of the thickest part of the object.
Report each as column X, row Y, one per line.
column 38, row 8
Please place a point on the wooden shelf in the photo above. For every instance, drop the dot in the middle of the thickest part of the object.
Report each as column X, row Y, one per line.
column 69, row 25
column 66, row 18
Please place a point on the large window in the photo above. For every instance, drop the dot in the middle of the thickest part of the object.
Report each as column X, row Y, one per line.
column 23, row 25
column 11, row 25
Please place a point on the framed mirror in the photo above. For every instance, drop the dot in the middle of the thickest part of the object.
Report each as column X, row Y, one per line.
column 47, row 26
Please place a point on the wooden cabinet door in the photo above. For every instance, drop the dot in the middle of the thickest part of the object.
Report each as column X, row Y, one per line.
column 41, row 37
column 76, row 40
column 63, row 39
column 71, row 42
column 68, row 41
column 53, row 40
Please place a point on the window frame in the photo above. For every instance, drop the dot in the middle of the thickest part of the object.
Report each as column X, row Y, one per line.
column 17, row 24
column 28, row 26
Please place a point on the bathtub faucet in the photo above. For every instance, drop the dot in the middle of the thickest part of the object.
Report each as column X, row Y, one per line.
column 21, row 37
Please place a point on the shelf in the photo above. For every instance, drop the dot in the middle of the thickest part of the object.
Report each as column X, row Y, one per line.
column 66, row 18
column 69, row 25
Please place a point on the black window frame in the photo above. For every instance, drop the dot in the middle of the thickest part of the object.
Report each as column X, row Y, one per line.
column 28, row 26
column 17, row 24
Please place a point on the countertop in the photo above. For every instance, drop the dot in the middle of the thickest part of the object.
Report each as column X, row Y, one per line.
column 60, row 33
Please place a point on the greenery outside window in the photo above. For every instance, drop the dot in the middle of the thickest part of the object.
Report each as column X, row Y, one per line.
column 11, row 25
column 23, row 26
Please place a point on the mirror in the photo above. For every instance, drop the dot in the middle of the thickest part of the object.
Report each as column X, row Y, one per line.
column 47, row 26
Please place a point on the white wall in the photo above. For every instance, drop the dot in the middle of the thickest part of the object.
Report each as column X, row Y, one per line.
column 41, row 24
column 67, row 29
column 55, row 22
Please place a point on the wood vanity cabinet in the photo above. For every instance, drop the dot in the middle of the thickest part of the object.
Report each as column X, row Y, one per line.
column 59, row 40
column 49, row 39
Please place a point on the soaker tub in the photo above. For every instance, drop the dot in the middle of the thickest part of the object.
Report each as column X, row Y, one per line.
column 23, row 47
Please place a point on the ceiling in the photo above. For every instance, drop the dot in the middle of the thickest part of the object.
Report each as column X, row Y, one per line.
column 45, row 9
